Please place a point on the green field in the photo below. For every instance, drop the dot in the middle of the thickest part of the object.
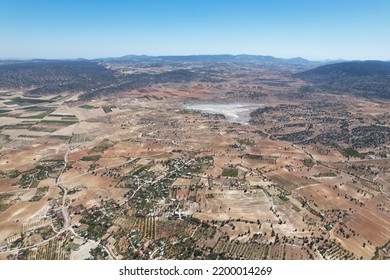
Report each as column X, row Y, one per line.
column 63, row 115
column 230, row 172
column 37, row 116
column 252, row 156
column 100, row 149
column 90, row 158
column 39, row 108
column 25, row 101
column 88, row 107
column 58, row 122
column 352, row 152
column 3, row 111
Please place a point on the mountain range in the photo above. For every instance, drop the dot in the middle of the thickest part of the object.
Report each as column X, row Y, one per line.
column 207, row 58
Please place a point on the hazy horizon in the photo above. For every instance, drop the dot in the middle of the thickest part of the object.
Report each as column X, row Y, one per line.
column 176, row 55
column 314, row 30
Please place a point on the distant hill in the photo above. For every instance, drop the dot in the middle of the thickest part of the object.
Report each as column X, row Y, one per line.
column 363, row 78
column 221, row 58
column 53, row 76
column 92, row 79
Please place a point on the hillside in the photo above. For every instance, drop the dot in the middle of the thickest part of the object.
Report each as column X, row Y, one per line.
column 42, row 77
column 92, row 79
column 363, row 78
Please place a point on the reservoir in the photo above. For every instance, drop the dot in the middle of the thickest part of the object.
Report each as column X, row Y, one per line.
column 234, row 112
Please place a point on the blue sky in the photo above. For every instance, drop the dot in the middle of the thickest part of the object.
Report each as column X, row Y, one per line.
column 313, row 29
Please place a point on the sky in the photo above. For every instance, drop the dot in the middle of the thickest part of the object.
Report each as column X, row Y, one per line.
column 313, row 29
